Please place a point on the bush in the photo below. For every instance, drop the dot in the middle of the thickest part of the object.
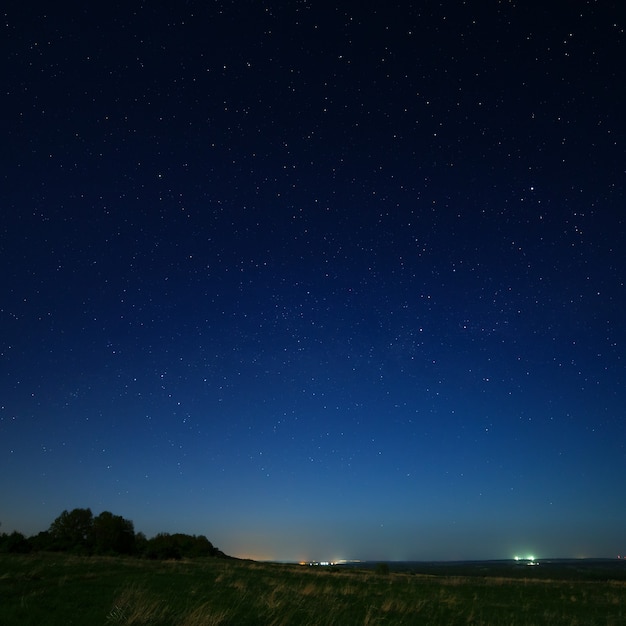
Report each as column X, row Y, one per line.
column 15, row 543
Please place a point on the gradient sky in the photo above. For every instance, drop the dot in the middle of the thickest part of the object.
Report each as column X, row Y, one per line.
column 317, row 280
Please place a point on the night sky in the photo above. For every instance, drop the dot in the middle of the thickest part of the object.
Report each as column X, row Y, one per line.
column 317, row 280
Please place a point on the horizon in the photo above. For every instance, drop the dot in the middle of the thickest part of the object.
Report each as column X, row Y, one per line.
column 317, row 281
column 520, row 555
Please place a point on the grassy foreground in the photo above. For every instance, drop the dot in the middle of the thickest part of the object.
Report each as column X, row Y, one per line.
column 58, row 589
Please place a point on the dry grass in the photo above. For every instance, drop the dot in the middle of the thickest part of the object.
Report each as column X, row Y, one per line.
column 135, row 606
column 204, row 615
column 55, row 592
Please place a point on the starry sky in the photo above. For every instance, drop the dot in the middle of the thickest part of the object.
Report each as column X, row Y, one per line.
column 317, row 280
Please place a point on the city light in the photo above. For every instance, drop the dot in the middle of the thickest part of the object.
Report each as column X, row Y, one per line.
column 529, row 560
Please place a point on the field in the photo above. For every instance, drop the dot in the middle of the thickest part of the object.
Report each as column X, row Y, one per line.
column 55, row 589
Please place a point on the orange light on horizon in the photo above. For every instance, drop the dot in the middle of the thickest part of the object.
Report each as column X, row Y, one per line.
column 253, row 557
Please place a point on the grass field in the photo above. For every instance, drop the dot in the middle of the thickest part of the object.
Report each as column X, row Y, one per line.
column 56, row 589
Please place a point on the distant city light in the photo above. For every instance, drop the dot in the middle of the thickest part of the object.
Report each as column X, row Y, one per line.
column 529, row 560
column 337, row 562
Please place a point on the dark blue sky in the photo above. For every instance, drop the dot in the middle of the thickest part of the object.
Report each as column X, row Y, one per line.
column 317, row 281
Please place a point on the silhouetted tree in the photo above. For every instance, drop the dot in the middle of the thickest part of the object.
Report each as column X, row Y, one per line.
column 72, row 531
column 42, row 541
column 80, row 532
column 112, row 534
column 163, row 546
column 201, row 546
column 141, row 542
column 179, row 545
column 15, row 543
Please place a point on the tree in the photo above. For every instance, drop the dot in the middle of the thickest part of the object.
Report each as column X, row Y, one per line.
column 112, row 534
column 201, row 546
column 178, row 546
column 80, row 532
column 163, row 546
column 42, row 541
column 72, row 531
column 141, row 544
column 15, row 543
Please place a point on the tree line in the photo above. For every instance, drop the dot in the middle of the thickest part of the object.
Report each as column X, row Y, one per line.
column 80, row 532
